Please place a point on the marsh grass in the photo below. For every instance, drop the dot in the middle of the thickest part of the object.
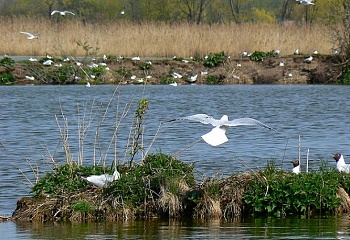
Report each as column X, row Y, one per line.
column 158, row 39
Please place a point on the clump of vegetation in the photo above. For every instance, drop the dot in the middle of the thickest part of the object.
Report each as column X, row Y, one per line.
column 214, row 60
column 212, row 80
column 7, row 63
column 159, row 175
column 276, row 192
column 7, row 78
column 259, row 56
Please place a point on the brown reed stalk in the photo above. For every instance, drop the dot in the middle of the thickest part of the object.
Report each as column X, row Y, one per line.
column 150, row 39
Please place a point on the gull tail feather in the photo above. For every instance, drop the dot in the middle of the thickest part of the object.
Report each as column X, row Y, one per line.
column 215, row 137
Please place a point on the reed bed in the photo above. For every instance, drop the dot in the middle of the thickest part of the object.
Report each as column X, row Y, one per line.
column 157, row 39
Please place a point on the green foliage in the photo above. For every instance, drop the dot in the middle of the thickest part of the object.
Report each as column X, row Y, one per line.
column 146, row 66
column 278, row 192
column 6, row 78
column 82, row 206
column 212, row 80
column 89, row 51
column 259, row 56
column 65, row 178
column 7, row 63
column 214, row 60
column 167, row 80
column 143, row 182
column 138, row 128
column 345, row 78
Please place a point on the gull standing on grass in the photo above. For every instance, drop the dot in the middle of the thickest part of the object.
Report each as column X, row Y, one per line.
column 103, row 179
column 217, row 135
column 31, row 35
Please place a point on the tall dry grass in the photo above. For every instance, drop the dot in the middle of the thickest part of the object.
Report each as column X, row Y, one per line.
column 157, row 39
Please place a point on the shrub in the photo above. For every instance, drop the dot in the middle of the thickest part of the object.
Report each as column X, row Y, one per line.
column 214, row 60
column 144, row 182
column 6, row 78
column 278, row 192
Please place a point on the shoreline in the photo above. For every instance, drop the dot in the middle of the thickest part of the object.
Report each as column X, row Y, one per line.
column 323, row 69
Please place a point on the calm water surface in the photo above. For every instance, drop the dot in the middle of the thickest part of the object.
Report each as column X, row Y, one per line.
column 30, row 136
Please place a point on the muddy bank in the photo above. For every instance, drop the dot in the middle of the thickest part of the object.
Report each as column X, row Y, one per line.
column 323, row 69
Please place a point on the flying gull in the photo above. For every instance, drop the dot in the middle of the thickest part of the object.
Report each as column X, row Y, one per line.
column 217, row 135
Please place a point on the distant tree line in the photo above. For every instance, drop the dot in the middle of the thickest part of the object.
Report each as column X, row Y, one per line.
column 192, row 11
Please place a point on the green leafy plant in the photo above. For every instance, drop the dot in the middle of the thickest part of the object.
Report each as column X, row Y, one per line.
column 212, row 79
column 144, row 182
column 7, row 63
column 214, row 60
column 279, row 193
column 82, row 206
column 6, row 78
column 259, row 56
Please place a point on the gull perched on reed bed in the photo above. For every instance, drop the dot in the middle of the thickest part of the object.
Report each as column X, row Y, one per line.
column 217, row 135
column 103, row 179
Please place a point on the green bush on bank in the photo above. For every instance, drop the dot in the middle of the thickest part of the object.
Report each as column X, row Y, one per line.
column 281, row 193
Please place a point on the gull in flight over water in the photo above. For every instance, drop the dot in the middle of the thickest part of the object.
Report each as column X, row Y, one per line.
column 31, row 35
column 62, row 13
column 103, row 179
column 217, row 135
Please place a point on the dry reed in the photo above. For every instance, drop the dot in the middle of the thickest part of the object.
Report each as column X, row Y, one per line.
column 157, row 39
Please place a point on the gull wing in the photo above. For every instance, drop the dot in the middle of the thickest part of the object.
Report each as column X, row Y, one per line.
column 202, row 118
column 29, row 34
column 246, row 122
column 54, row 11
column 216, row 136
column 69, row 12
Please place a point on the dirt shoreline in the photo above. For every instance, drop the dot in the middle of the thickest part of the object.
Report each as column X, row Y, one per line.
column 323, row 69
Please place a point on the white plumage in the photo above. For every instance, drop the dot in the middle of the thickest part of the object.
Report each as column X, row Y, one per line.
column 62, row 13
column 103, row 179
column 217, row 135
column 305, row 2
column 296, row 166
column 31, row 35
column 341, row 165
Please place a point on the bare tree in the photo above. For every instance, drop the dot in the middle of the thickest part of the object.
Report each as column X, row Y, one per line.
column 195, row 10
column 237, row 7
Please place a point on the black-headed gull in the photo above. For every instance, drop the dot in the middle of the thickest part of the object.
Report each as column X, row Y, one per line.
column 103, row 179
column 296, row 166
column 341, row 165
column 217, row 135
column 61, row 12
column 31, row 35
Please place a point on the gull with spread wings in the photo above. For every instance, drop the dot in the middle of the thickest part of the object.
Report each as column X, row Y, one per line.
column 217, row 135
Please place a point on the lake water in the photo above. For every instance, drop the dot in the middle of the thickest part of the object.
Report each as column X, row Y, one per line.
column 30, row 137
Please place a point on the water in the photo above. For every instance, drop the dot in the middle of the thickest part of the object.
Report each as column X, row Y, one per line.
column 30, row 135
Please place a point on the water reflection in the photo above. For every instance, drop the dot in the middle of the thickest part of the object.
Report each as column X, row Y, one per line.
column 287, row 228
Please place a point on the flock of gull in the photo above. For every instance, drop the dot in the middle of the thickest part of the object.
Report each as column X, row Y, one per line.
column 217, row 135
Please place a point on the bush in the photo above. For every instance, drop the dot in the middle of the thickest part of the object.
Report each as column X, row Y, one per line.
column 6, row 78
column 279, row 193
column 214, row 60
column 145, row 181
